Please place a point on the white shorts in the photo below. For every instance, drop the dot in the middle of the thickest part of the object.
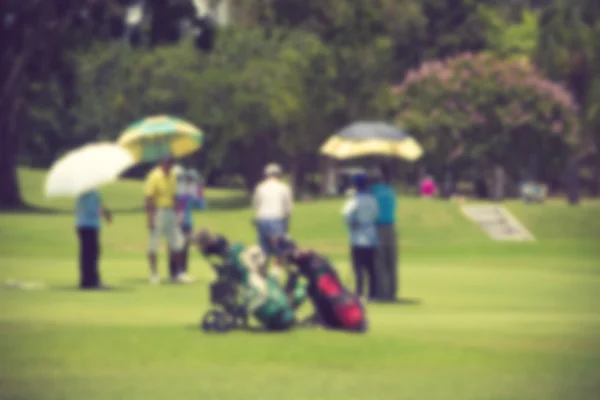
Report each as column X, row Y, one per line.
column 166, row 225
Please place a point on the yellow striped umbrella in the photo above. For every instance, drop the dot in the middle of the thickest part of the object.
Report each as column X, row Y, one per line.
column 153, row 138
column 362, row 139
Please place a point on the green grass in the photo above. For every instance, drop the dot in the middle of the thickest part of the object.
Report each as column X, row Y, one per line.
column 495, row 320
column 124, row 195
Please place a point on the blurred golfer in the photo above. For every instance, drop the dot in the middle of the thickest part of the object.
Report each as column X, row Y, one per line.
column 361, row 212
column 89, row 211
column 164, row 213
column 191, row 196
column 387, row 250
column 273, row 203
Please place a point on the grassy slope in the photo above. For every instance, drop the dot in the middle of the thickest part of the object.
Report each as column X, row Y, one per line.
column 496, row 321
column 124, row 195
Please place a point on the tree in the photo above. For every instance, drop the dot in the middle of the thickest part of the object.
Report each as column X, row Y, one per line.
column 37, row 64
column 41, row 34
column 511, row 39
column 488, row 107
column 568, row 51
column 453, row 27
column 258, row 99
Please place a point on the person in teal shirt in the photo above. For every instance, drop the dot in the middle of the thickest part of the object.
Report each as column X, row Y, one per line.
column 89, row 212
column 386, row 266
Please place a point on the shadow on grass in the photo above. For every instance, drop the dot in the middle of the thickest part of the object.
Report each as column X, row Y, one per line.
column 103, row 289
column 249, row 329
column 399, row 302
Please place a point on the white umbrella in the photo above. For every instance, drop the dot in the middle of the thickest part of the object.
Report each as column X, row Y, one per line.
column 87, row 168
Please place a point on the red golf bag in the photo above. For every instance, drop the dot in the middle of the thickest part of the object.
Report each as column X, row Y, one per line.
column 336, row 307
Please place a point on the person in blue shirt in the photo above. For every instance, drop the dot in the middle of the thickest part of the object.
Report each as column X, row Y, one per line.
column 192, row 198
column 89, row 212
column 387, row 250
column 360, row 213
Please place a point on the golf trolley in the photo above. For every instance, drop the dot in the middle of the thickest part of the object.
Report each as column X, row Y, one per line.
column 228, row 307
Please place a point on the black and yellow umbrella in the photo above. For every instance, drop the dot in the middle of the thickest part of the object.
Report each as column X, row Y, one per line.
column 362, row 139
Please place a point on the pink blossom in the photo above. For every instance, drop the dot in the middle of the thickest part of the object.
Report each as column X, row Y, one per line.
column 478, row 118
column 557, row 126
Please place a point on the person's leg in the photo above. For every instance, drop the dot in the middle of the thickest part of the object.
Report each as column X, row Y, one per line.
column 186, row 230
column 80, row 236
column 153, row 246
column 387, row 244
column 95, row 272
column 265, row 240
column 392, row 257
column 358, row 269
column 176, row 245
column 368, row 260
column 262, row 238
column 87, row 269
column 172, row 264
column 381, row 263
column 277, row 232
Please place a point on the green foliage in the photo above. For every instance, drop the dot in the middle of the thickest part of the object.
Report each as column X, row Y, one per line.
column 507, row 38
column 255, row 95
column 488, row 107
column 288, row 74
column 568, row 50
column 452, row 27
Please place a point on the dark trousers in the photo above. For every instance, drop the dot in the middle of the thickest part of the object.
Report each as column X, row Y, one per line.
column 386, row 267
column 184, row 268
column 89, row 253
column 363, row 260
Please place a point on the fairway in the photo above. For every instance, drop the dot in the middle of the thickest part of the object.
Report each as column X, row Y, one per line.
column 486, row 320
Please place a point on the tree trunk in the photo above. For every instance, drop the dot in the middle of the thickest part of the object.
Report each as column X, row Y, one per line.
column 10, row 194
column 573, row 183
column 329, row 184
column 499, row 183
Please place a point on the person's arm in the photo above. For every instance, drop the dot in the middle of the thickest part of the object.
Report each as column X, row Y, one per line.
column 349, row 212
column 197, row 203
column 106, row 214
column 79, row 208
column 256, row 202
column 256, row 198
column 288, row 205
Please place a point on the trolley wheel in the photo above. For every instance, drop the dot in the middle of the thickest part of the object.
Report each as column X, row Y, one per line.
column 217, row 321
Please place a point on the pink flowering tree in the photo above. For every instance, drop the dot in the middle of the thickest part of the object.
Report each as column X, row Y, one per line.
column 479, row 106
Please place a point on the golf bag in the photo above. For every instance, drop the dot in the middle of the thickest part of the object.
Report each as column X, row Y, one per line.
column 336, row 307
column 243, row 289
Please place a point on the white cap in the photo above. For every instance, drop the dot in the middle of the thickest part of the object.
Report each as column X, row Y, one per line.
column 178, row 170
column 272, row 169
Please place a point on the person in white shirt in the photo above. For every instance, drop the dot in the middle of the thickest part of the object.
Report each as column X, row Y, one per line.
column 273, row 202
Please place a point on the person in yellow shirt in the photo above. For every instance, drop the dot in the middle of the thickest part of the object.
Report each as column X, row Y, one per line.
column 164, row 215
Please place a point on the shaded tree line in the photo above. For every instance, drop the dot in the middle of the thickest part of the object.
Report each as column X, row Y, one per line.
column 288, row 73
